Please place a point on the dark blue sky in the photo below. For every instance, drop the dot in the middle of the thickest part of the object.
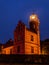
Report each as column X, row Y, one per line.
column 13, row 10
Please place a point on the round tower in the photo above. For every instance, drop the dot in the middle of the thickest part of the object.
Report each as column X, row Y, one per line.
column 34, row 23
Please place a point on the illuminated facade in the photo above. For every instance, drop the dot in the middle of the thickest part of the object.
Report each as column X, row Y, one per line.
column 45, row 47
column 8, row 47
column 27, row 40
column 8, row 50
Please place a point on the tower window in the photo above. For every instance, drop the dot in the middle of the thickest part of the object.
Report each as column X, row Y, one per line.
column 32, row 49
column 31, row 38
column 18, row 49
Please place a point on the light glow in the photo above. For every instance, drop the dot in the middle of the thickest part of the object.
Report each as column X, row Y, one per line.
column 34, row 18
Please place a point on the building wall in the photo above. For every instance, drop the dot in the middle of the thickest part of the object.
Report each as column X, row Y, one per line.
column 28, row 48
column 45, row 47
column 7, row 50
column 43, row 51
column 19, row 32
column 25, row 42
column 28, row 36
column 28, row 43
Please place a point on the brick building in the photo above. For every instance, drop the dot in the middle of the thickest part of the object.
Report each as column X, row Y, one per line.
column 7, row 48
column 26, row 40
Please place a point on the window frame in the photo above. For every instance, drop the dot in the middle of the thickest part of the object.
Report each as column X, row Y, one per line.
column 32, row 38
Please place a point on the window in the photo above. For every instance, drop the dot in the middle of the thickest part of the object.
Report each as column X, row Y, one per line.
column 32, row 49
column 31, row 38
column 18, row 37
column 18, row 49
column 10, row 51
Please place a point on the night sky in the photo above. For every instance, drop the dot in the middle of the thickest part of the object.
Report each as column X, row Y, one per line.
column 11, row 11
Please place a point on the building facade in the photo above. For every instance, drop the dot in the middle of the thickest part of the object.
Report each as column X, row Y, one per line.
column 27, row 40
column 45, row 47
column 7, row 48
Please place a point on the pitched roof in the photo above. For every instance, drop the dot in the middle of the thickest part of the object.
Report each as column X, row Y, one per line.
column 8, row 43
